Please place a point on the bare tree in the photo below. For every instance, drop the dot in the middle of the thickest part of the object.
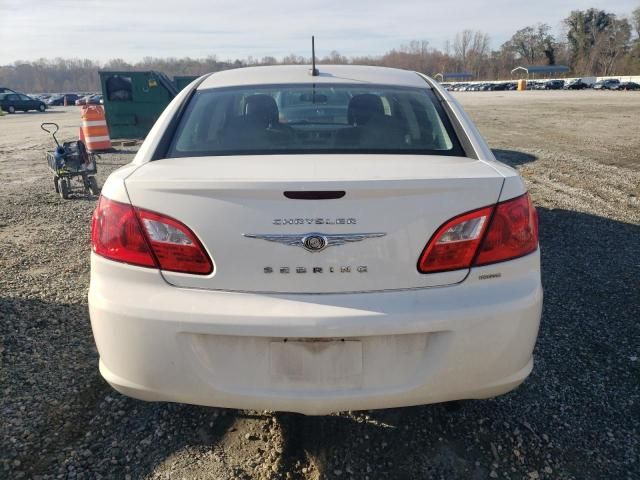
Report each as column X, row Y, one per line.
column 461, row 45
column 479, row 51
column 471, row 49
column 635, row 22
column 334, row 58
column 611, row 45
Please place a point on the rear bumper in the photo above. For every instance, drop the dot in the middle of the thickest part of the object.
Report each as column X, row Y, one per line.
column 386, row 349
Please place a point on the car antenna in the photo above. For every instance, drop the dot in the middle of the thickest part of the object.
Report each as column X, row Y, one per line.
column 314, row 70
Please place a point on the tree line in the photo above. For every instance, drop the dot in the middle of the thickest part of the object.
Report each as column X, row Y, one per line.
column 594, row 43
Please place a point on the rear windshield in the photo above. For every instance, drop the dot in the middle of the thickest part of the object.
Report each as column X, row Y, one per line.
column 281, row 119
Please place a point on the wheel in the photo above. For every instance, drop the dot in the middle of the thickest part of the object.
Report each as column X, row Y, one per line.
column 42, row 107
column 55, row 183
column 63, row 186
column 11, row 109
column 93, row 186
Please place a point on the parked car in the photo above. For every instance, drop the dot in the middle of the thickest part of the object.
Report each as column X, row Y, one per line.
column 628, row 86
column 71, row 98
column 473, row 87
column 499, row 86
column 610, row 84
column 7, row 90
column 577, row 84
column 13, row 102
column 55, row 100
column 90, row 99
column 267, row 263
column 554, row 85
column 93, row 100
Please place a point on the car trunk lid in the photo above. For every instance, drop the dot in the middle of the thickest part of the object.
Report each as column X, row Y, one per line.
column 374, row 214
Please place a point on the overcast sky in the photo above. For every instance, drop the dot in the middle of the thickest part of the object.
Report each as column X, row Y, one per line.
column 132, row 29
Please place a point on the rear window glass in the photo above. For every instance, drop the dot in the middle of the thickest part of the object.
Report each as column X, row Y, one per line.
column 306, row 119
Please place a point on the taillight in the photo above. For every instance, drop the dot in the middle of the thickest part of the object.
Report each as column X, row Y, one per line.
column 488, row 235
column 513, row 232
column 139, row 237
column 116, row 234
column 175, row 246
column 455, row 243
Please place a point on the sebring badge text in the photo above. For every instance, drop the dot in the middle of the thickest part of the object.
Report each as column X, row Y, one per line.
column 343, row 269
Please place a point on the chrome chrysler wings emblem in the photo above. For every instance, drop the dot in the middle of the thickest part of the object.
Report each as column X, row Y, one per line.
column 313, row 242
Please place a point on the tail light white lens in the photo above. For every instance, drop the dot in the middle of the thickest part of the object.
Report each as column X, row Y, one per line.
column 484, row 236
column 513, row 232
column 455, row 243
column 139, row 237
column 175, row 246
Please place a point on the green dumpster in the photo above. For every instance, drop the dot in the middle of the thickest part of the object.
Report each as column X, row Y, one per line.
column 133, row 101
column 181, row 81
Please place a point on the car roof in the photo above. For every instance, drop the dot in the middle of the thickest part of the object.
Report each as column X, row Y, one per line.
column 296, row 74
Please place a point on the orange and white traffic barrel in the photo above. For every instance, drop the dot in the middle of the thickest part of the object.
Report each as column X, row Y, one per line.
column 94, row 128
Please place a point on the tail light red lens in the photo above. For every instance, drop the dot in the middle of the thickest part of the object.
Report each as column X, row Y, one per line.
column 116, row 234
column 455, row 243
column 174, row 245
column 139, row 237
column 513, row 232
column 489, row 235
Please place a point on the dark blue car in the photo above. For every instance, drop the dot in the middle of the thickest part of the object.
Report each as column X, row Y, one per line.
column 13, row 102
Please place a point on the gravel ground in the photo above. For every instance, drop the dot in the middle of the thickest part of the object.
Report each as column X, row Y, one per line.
column 577, row 416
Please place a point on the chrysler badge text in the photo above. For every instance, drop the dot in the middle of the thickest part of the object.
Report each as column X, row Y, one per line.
column 315, row 221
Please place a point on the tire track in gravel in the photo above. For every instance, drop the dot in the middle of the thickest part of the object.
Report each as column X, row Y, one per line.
column 302, row 453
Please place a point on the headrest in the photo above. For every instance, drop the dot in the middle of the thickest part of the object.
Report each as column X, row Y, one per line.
column 363, row 107
column 261, row 108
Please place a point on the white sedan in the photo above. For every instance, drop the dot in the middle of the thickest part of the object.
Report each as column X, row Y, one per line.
column 314, row 243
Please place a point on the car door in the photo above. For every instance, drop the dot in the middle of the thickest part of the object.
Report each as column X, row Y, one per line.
column 13, row 100
column 27, row 103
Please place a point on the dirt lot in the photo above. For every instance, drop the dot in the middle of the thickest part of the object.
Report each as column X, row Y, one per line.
column 577, row 416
